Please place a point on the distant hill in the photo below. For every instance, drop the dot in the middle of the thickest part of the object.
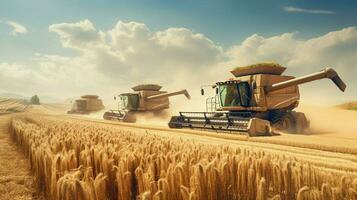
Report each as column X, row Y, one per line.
column 349, row 106
column 43, row 99
column 12, row 96
column 10, row 105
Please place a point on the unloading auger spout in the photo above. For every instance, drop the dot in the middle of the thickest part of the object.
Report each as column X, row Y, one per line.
column 164, row 95
column 325, row 73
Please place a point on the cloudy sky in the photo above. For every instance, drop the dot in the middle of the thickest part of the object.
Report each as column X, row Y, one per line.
column 62, row 48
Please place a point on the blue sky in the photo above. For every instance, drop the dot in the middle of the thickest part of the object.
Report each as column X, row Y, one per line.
column 226, row 21
column 48, row 44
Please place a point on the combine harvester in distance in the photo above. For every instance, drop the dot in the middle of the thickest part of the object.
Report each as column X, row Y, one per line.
column 256, row 101
column 145, row 98
column 86, row 104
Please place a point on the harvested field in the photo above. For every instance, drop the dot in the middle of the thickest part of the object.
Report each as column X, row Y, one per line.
column 84, row 159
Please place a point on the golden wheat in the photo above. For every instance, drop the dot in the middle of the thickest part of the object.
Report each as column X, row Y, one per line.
column 72, row 159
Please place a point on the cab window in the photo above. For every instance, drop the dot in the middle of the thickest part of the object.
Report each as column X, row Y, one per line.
column 234, row 94
column 129, row 101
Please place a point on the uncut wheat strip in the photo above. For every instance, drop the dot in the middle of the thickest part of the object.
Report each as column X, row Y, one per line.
column 317, row 154
column 321, row 162
column 235, row 137
column 304, row 152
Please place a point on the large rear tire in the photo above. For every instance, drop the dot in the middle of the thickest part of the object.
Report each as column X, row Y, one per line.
column 288, row 123
column 285, row 122
column 302, row 124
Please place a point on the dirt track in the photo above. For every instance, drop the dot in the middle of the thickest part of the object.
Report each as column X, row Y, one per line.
column 16, row 181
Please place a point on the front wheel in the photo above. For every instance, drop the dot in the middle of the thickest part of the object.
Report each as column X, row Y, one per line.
column 108, row 116
column 175, row 122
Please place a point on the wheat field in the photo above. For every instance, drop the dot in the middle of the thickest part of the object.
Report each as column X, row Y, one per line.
column 74, row 159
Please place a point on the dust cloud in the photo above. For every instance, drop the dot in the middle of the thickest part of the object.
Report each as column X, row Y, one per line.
column 331, row 121
column 151, row 118
column 154, row 118
column 96, row 115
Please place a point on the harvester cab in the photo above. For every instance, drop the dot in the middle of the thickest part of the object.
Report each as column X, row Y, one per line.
column 128, row 101
column 258, row 99
column 81, row 104
column 145, row 98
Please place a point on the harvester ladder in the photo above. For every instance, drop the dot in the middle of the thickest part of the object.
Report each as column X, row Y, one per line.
column 212, row 104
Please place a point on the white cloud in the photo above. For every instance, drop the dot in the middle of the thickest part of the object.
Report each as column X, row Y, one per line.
column 257, row 48
column 336, row 48
column 310, row 11
column 17, row 77
column 16, row 28
column 111, row 61
column 80, row 35
column 132, row 50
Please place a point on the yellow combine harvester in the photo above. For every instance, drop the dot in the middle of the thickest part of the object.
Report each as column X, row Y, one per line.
column 86, row 104
column 257, row 99
column 145, row 98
